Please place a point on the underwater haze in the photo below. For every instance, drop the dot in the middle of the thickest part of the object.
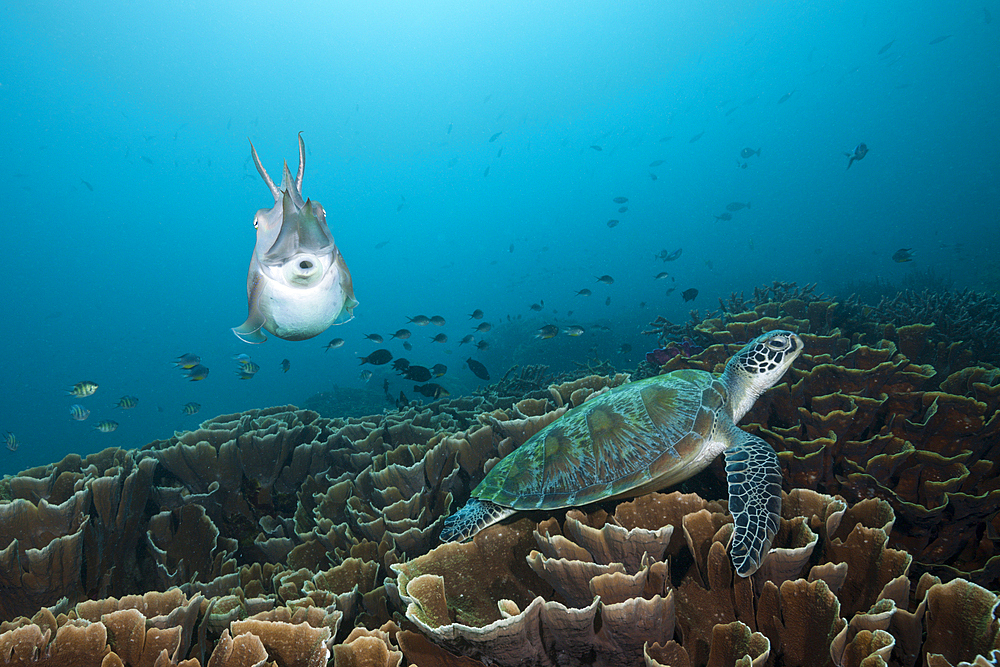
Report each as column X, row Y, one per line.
column 468, row 156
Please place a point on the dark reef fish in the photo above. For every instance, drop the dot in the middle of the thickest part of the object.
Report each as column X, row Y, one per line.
column 495, row 136
column 737, row 206
column 620, row 200
column 431, row 390
column 419, row 320
column 478, row 369
column 188, row 360
column 903, row 255
column 298, row 284
column 401, row 334
column 418, row 373
column 612, row 224
column 375, row 338
column 440, row 338
column 196, row 373
column 749, row 152
column 547, row 331
column 378, row 357
column 886, row 47
column 672, row 256
column 285, row 365
column 724, row 216
column 334, row 344
column 477, row 314
column 606, row 279
column 860, row 151
column 696, row 137
column 689, row 294
column 938, row 40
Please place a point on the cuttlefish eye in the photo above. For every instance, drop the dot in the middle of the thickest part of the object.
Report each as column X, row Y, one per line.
column 305, row 264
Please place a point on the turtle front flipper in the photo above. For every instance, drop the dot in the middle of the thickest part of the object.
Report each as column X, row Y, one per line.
column 754, row 500
column 476, row 515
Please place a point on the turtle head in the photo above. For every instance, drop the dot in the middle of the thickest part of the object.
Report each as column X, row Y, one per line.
column 758, row 367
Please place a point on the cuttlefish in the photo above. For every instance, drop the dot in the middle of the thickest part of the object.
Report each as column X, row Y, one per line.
column 298, row 284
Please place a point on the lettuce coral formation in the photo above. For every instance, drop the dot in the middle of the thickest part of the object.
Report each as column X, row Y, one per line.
column 281, row 536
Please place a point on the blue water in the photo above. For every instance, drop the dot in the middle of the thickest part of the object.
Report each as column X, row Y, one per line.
column 152, row 104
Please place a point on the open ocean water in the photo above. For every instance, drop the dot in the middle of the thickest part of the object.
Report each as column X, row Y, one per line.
column 468, row 156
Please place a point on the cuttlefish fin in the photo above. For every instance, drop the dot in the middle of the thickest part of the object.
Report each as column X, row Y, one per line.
column 250, row 331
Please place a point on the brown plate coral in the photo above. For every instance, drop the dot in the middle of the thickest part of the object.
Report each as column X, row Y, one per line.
column 278, row 536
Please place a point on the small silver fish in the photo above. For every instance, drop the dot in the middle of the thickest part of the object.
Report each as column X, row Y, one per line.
column 298, row 284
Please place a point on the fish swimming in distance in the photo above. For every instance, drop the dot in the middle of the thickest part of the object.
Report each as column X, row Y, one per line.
column 784, row 98
column 375, row 338
column 365, row 375
column 334, row 344
column 749, row 152
column 285, row 365
column 482, row 345
column 298, row 284
column 10, row 440
column 400, row 364
column 496, row 136
column 886, row 47
column 431, row 390
column 440, row 338
column 127, row 402
column 860, row 151
column 106, row 426
column 537, row 307
column 547, row 331
column 584, row 292
column 655, row 163
column 191, row 408
column 438, row 370
column 467, row 339
column 477, row 314
column 574, row 330
column 196, row 373
column 83, row 389
column 419, row 320
column 620, row 200
column 438, row 321
column 652, row 176
column 671, row 290
column 689, row 294
column 597, row 148
column 378, row 357
column 612, row 224
column 478, row 369
column 484, row 327
column 938, row 40
column 903, row 255
column 724, row 216
column 696, row 137
column 187, row 360
column 606, row 279
column 418, row 373
column 401, row 334
column 78, row 412
column 674, row 255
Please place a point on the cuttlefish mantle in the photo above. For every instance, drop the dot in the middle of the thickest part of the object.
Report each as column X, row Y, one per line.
column 298, row 284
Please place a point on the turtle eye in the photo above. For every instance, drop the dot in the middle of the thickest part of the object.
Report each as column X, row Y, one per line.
column 778, row 343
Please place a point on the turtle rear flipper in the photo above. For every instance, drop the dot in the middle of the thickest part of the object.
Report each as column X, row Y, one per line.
column 754, row 500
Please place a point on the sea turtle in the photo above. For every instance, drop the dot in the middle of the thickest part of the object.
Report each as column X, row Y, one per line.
column 647, row 435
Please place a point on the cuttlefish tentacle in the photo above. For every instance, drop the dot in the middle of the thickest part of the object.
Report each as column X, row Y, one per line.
column 263, row 173
column 302, row 164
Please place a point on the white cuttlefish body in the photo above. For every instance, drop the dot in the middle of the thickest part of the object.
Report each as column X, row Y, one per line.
column 298, row 284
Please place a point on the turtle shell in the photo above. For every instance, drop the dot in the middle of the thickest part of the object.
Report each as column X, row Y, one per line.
column 641, row 435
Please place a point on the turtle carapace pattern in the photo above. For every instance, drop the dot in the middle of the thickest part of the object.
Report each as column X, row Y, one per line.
column 648, row 435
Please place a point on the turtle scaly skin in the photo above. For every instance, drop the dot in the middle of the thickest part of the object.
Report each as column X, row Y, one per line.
column 647, row 435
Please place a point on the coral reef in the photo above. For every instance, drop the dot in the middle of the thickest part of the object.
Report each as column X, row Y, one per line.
column 280, row 536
